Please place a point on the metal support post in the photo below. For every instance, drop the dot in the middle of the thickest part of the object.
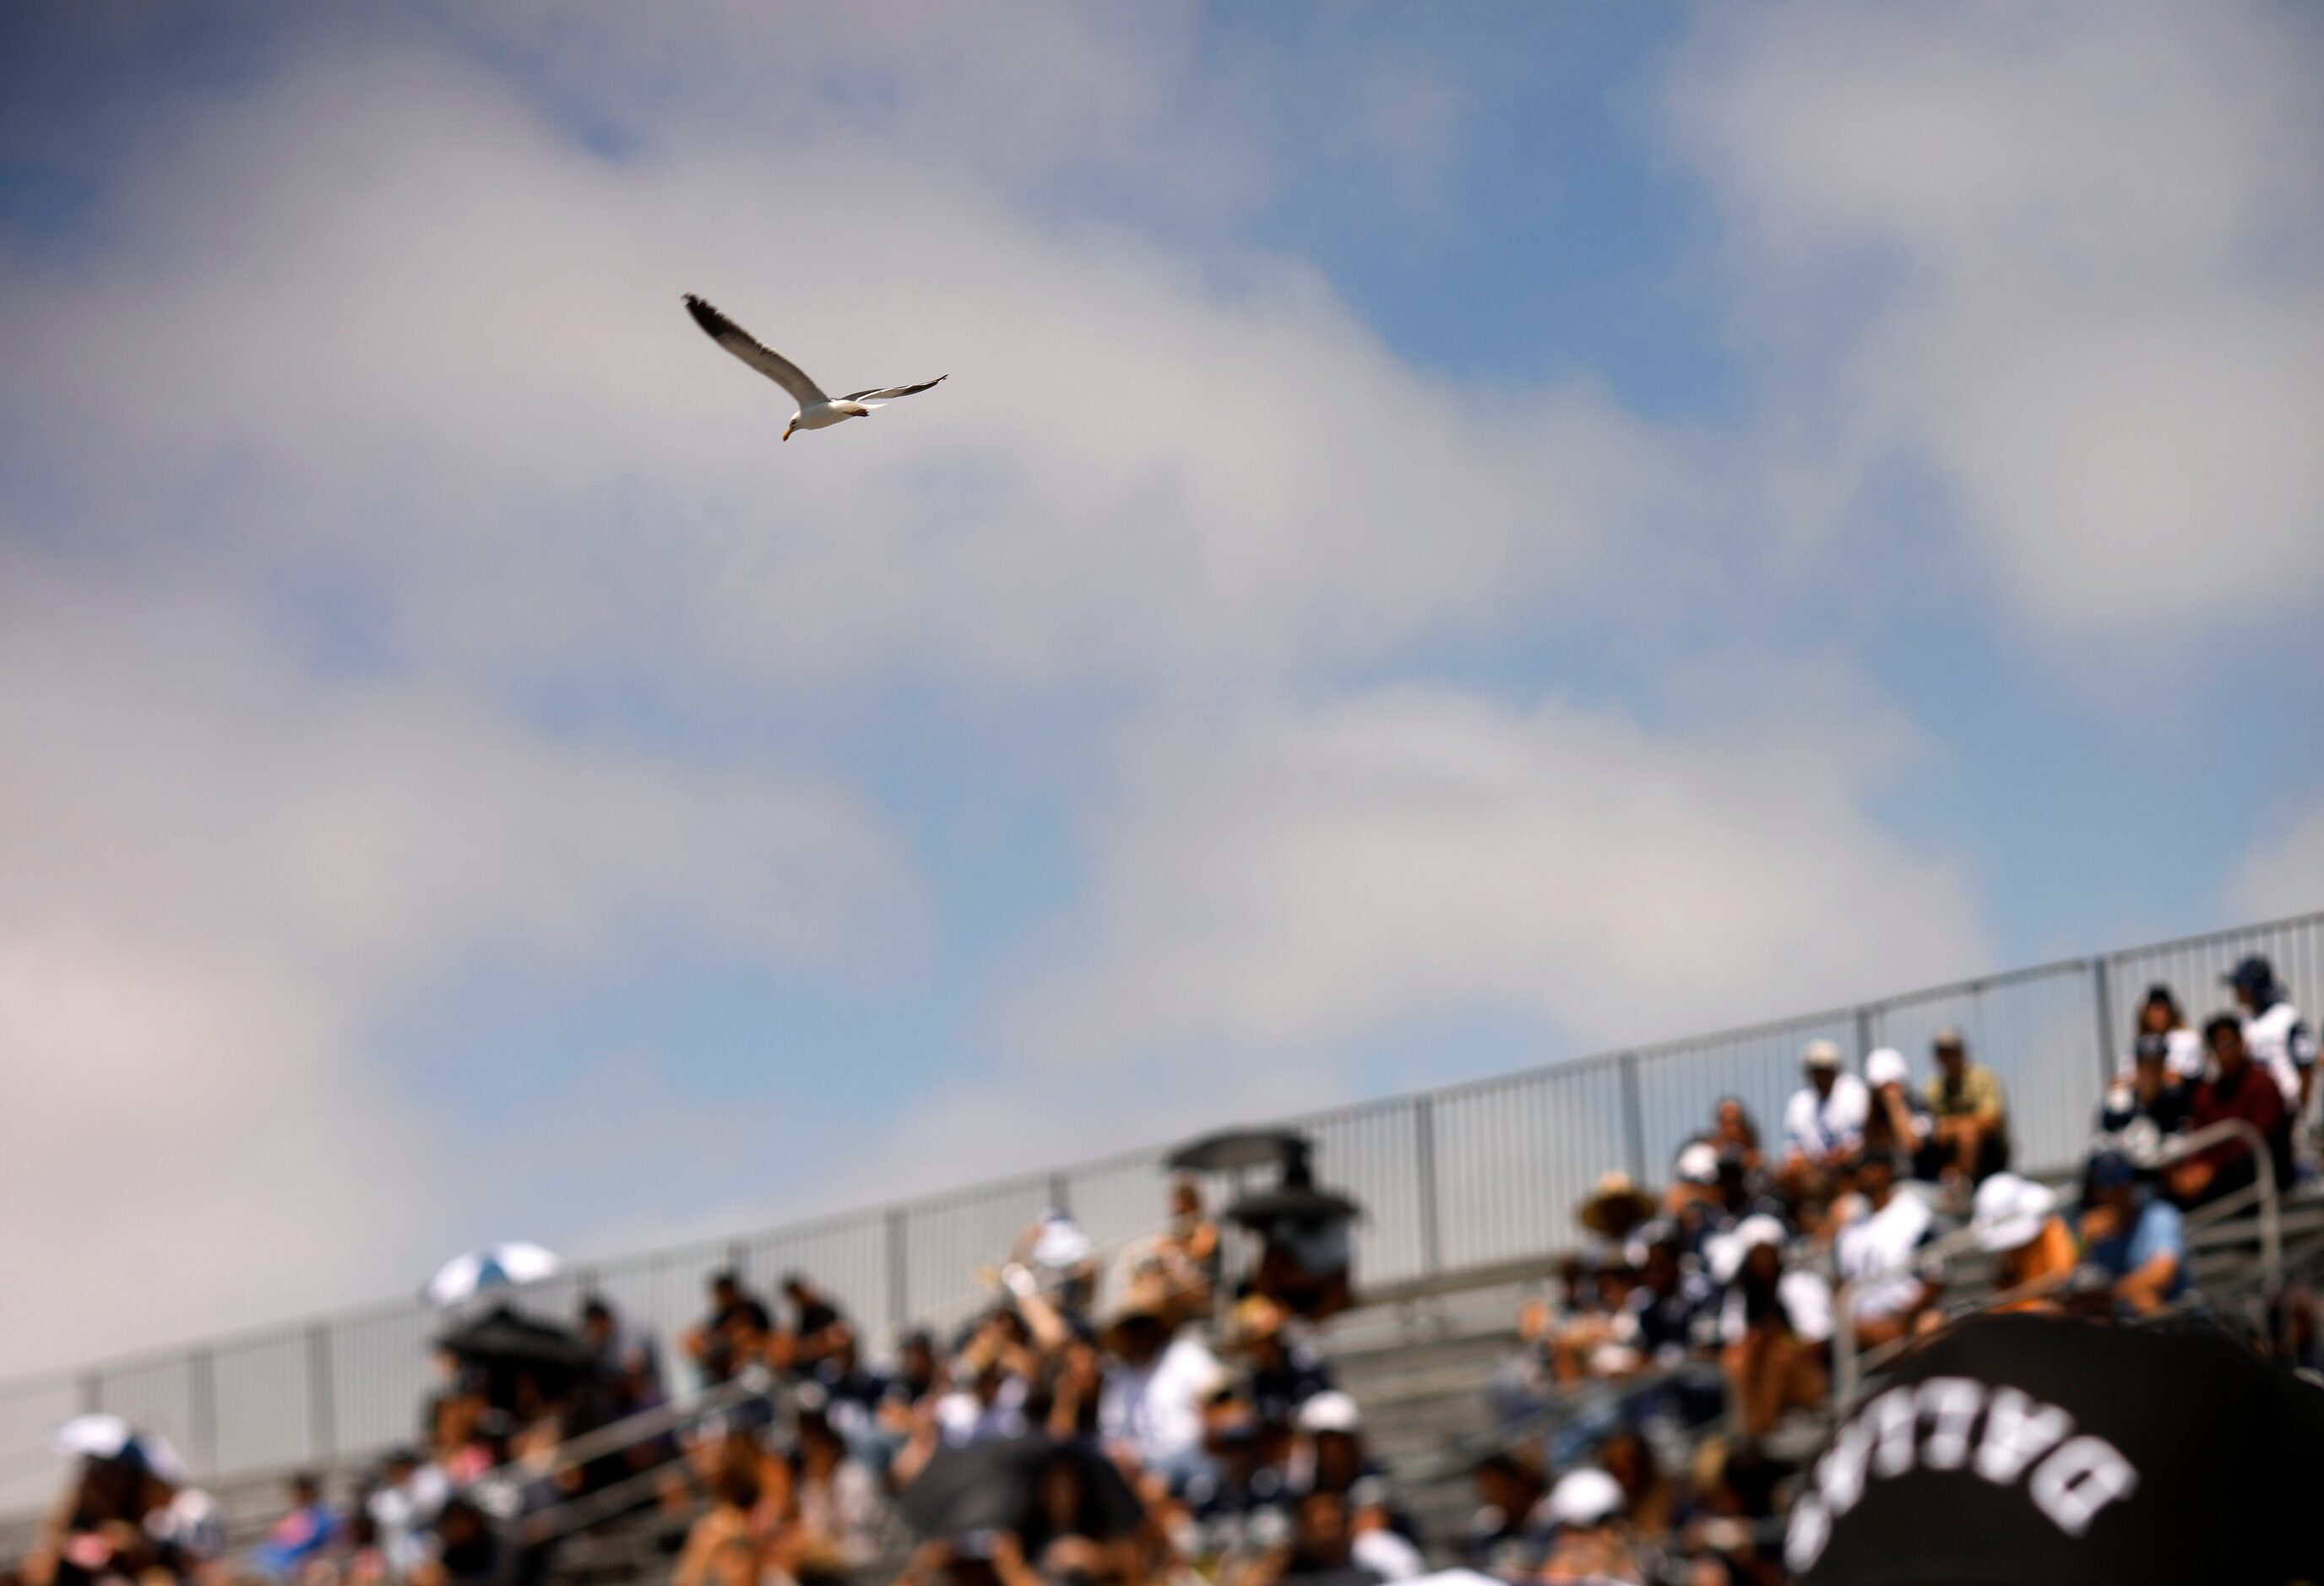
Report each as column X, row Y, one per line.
column 1424, row 1158
column 1634, row 1122
column 899, row 1305
column 322, row 1405
column 2102, row 1002
column 201, row 1410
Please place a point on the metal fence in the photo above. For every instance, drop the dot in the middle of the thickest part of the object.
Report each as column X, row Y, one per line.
column 1470, row 1175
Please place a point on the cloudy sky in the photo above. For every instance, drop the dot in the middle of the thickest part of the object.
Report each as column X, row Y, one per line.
column 1454, row 537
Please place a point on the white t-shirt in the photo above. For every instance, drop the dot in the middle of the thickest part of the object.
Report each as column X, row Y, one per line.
column 2280, row 1042
column 1157, row 1409
column 1819, row 1125
column 1869, row 1251
column 962, row 1418
column 1806, row 1299
column 2183, row 1054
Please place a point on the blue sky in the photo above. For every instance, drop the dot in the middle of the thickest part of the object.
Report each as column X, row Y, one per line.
column 1453, row 537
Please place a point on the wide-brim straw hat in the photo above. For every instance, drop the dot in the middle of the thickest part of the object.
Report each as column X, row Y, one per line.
column 1615, row 1193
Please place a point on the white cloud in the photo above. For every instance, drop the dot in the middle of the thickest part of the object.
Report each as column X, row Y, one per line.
column 1286, row 875
column 215, row 875
column 2069, row 258
column 445, row 360
column 2284, row 873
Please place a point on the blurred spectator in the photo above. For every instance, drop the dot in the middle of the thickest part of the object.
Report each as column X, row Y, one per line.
column 1615, row 1210
column 616, row 1350
column 1972, row 1119
column 837, row 1500
column 1824, row 1125
column 1775, row 1327
column 2148, row 1090
column 1898, row 1123
column 819, row 1331
column 2183, row 1048
column 2278, row 1039
column 1063, row 1260
column 1671, row 1303
column 1579, row 1329
column 1650, row 1499
column 1592, row 1545
column 403, row 1503
column 726, row 1547
column 468, row 1551
column 1510, row 1534
column 1244, row 1502
column 1307, row 1254
column 1330, row 1456
column 1734, row 1132
column 2138, row 1240
column 2235, row 1088
column 1150, row 1409
column 123, row 1517
column 2034, row 1252
column 733, row 1335
column 1190, row 1251
column 298, row 1535
column 1284, row 1372
column 1875, row 1254
column 988, row 1396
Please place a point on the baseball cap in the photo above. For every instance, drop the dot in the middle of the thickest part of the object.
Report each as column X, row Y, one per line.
column 2010, row 1212
column 1727, row 1257
column 1330, row 1411
column 1586, row 1497
column 1948, row 1038
column 1698, row 1164
column 1818, row 1054
column 1884, row 1068
column 2110, row 1169
column 2255, row 973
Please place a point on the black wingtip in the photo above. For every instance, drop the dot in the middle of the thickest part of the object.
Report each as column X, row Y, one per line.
column 706, row 317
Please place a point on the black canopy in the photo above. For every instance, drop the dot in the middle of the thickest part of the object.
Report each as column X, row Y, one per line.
column 1231, row 1148
column 997, row 1486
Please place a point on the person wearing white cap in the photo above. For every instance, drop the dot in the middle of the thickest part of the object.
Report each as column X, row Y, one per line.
column 1823, row 1124
column 1899, row 1120
column 2033, row 1251
column 1774, row 1326
column 1587, row 1506
column 1330, row 1459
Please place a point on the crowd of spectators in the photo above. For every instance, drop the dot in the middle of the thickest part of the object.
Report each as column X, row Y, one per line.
column 1109, row 1417
column 1680, row 1359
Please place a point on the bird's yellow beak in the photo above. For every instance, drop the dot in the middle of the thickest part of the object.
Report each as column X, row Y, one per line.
column 787, row 432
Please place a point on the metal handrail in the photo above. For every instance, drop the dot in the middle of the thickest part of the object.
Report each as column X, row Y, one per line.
column 1849, row 1363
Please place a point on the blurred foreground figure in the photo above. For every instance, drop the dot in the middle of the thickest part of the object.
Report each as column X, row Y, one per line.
column 2039, row 1450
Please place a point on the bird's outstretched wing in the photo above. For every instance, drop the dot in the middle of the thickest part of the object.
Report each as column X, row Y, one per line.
column 764, row 359
column 884, row 392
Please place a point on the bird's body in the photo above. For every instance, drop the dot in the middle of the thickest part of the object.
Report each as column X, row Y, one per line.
column 816, row 410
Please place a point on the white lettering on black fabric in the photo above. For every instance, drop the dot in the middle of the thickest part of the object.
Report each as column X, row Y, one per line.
column 2072, row 1481
column 2017, row 1432
column 2072, row 1485
column 1951, row 1405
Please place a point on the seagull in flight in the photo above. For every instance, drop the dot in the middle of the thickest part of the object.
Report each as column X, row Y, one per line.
column 816, row 410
